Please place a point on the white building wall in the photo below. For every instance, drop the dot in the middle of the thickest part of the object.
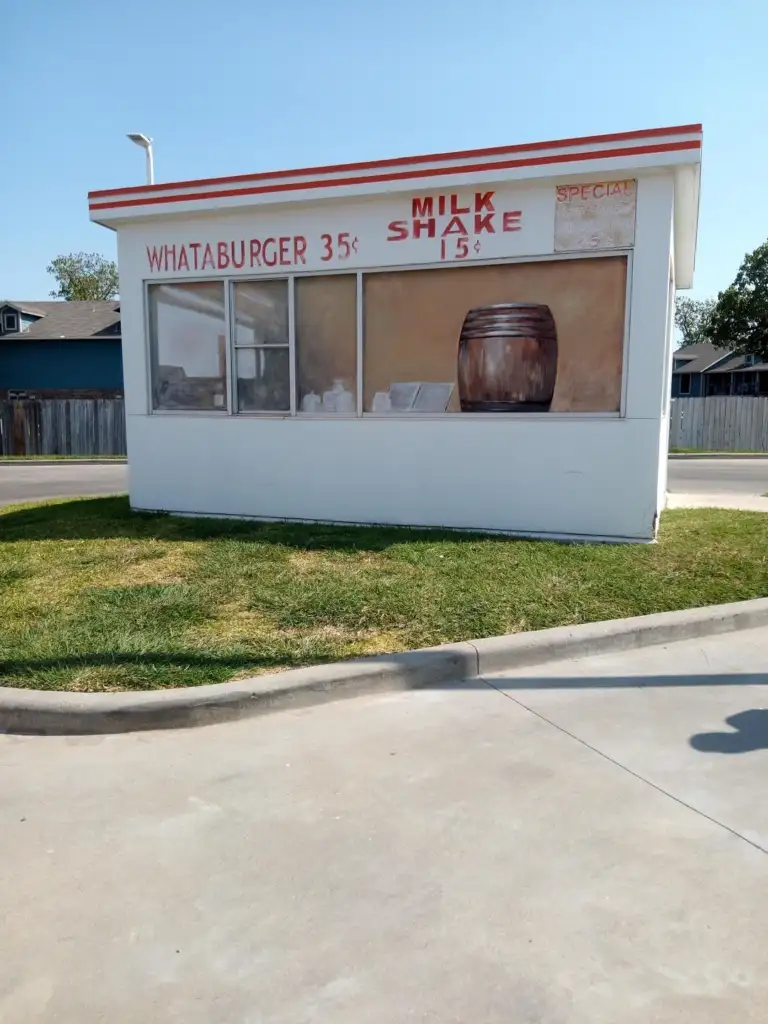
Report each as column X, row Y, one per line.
column 568, row 475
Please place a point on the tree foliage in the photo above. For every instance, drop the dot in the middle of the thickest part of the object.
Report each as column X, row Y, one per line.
column 85, row 276
column 740, row 317
column 692, row 318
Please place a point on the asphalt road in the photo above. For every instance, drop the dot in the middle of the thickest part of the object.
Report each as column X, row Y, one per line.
column 580, row 842
column 718, row 476
column 32, row 482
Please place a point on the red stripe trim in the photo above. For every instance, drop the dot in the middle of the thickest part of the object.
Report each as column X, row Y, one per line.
column 527, row 147
column 293, row 186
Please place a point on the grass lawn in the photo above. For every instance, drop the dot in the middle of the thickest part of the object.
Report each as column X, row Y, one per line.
column 95, row 597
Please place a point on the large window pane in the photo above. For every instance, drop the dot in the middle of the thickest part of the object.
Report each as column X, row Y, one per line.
column 326, row 344
column 188, row 345
column 523, row 337
column 263, row 379
column 261, row 313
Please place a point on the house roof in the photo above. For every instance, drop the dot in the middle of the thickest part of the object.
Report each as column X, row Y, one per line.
column 699, row 357
column 71, row 320
column 734, row 363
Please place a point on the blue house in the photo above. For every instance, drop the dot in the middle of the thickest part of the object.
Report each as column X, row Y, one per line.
column 60, row 349
column 703, row 370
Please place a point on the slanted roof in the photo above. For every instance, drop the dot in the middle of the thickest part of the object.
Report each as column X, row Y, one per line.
column 734, row 363
column 24, row 307
column 72, row 320
column 699, row 357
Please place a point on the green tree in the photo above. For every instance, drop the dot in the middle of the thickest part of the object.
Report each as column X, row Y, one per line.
column 740, row 317
column 84, row 275
column 692, row 317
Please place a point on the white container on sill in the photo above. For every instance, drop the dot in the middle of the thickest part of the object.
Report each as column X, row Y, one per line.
column 338, row 399
column 311, row 402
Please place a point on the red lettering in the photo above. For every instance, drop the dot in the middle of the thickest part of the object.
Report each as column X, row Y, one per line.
column 242, row 255
column 255, row 248
column 285, row 252
column 573, row 190
column 441, row 205
column 223, row 255
column 617, row 188
column 510, row 220
column 272, row 242
column 598, row 191
column 208, row 256
column 398, row 231
column 455, row 226
column 422, row 207
column 299, row 249
column 183, row 263
column 420, row 226
column 562, row 193
column 455, row 208
column 194, row 246
column 155, row 257
column 172, row 250
column 484, row 201
column 484, row 223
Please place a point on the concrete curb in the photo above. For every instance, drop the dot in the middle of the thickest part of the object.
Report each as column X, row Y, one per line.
column 54, row 713
column 718, row 455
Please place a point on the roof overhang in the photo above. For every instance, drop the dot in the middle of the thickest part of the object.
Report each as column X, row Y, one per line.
column 626, row 154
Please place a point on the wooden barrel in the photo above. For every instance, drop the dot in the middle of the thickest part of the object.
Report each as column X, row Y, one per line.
column 507, row 358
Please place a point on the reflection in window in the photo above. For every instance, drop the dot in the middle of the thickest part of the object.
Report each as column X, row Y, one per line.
column 326, row 344
column 188, row 346
column 262, row 362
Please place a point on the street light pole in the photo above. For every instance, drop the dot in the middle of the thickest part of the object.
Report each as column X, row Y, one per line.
column 146, row 145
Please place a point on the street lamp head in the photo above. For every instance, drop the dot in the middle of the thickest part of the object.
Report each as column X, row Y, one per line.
column 140, row 140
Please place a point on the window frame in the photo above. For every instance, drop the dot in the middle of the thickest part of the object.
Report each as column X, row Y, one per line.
column 229, row 280
column 686, row 393
column 16, row 320
column 234, row 348
column 148, row 355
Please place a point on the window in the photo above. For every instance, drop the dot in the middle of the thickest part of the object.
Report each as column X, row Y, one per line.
column 10, row 322
column 187, row 332
column 685, row 383
column 518, row 337
column 262, row 352
column 326, row 344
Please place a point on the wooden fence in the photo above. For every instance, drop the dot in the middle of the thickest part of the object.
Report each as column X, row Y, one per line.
column 62, row 426
column 719, row 424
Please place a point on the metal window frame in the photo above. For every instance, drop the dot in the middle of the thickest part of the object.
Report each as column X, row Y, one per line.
column 229, row 281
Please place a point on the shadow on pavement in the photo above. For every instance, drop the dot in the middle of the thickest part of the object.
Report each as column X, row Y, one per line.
column 749, row 732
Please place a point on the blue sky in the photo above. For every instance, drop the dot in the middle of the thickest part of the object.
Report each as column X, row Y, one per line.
column 250, row 85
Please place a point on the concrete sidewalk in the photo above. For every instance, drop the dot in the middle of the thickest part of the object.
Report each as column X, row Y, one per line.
column 580, row 842
column 744, row 502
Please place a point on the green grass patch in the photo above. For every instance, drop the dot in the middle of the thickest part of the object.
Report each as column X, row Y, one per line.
column 96, row 597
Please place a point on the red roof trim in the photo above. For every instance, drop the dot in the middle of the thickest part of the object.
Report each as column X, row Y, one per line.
column 292, row 186
column 527, row 147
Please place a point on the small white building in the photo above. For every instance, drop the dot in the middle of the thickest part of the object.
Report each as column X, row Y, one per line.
column 476, row 339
